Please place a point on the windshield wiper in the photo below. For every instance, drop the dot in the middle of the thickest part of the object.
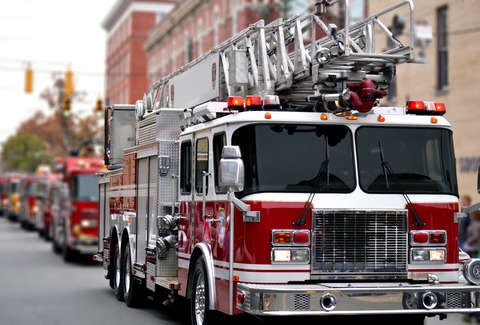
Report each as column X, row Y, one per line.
column 325, row 164
column 387, row 171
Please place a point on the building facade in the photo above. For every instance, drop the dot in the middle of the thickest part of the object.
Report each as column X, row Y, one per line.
column 195, row 27
column 449, row 75
column 128, row 24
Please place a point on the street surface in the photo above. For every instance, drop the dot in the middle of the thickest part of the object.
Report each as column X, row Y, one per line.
column 38, row 287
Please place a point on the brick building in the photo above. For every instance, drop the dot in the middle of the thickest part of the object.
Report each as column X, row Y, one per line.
column 127, row 25
column 449, row 76
column 195, row 27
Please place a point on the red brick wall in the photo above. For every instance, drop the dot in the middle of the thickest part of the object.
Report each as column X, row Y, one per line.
column 189, row 28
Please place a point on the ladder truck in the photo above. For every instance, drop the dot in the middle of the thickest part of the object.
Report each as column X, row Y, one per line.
column 265, row 178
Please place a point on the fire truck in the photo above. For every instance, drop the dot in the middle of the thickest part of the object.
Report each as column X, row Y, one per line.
column 3, row 195
column 32, row 199
column 49, row 190
column 265, row 177
column 16, row 190
column 75, row 224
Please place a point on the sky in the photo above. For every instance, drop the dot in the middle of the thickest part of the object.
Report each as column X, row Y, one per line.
column 52, row 34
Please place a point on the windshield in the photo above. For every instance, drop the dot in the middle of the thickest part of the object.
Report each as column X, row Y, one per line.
column 32, row 191
column 296, row 158
column 415, row 160
column 85, row 187
column 14, row 187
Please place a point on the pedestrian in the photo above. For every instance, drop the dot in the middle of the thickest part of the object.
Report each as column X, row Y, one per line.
column 465, row 202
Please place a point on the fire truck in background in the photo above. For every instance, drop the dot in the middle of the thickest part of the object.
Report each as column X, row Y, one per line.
column 49, row 189
column 32, row 199
column 3, row 195
column 264, row 178
column 16, row 190
column 75, row 226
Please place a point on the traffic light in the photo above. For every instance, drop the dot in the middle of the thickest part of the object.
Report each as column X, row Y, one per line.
column 69, row 82
column 99, row 107
column 66, row 106
column 29, row 79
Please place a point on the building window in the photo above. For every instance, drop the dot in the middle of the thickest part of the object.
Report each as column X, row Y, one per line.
column 200, row 38
column 442, row 48
column 159, row 17
column 357, row 11
column 188, row 50
column 234, row 17
column 215, row 27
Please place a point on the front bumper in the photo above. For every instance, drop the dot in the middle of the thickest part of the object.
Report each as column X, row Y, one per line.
column 85, row 246
column 357, row 298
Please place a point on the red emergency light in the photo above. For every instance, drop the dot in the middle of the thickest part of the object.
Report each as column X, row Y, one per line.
column 425, row 108
column 236, row 103
column 253, row 103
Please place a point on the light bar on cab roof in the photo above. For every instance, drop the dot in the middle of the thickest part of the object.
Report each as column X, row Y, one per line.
column 425, row 108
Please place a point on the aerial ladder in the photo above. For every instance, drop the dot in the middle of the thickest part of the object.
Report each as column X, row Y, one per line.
column 342, row 71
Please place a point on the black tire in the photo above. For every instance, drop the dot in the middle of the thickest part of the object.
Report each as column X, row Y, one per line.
column 132, row 286
column 117, row 274
column 199, row 312
column 67, row 253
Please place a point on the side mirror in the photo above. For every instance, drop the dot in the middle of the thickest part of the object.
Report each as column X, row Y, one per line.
column 478, row 180
column 232, row 170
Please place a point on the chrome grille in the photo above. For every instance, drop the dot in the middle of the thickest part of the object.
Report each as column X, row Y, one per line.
column 359, row 242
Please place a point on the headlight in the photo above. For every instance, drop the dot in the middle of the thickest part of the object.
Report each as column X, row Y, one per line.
column 85, row 223
column 298, row 256
column 5, row 202
column 77, row 230
column 35, row 209
column 428, row 255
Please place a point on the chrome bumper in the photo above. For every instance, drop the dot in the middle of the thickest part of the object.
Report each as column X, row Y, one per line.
column 356, row 298
column 86, row 246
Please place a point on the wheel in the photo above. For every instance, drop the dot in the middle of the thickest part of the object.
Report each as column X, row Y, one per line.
column 67, row 253
column 199, row 312
column 117, row 274
column 55, row 246
column 132, row 287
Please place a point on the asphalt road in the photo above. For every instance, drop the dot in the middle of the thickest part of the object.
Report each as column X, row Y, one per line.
column 38, row 287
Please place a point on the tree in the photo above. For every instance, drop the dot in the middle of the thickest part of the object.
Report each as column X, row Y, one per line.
column 24, row 152
column 83, row 133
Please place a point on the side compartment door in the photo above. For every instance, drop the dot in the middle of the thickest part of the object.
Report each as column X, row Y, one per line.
column 142, row 208
column 152, row 200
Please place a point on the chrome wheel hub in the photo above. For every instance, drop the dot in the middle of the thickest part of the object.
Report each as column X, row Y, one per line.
column 127, row 276
column 200, row 300
column 117, row 270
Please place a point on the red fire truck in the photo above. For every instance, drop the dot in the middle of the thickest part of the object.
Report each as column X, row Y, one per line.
column 3, row 195
column 76, row 230
column 266, row 178
column 32, row 201
column 48, row 190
